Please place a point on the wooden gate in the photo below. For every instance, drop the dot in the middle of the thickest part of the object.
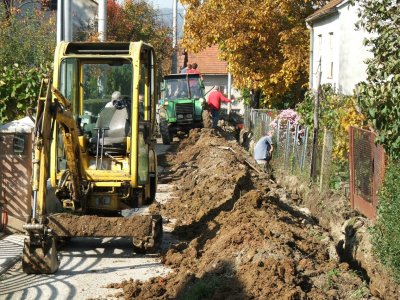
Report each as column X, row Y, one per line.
column 15, row 176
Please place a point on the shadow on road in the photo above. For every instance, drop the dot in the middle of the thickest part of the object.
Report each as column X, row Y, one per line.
column 85, row 263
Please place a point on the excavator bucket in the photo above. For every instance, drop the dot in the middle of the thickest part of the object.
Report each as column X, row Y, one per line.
column 40, row 258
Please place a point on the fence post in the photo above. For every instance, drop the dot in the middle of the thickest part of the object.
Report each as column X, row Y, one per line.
column 304, row 153
column 295, row 140
column 278, row 137
column 351, row 165
column 313, row 171
column 326, row 161
column 287, row 145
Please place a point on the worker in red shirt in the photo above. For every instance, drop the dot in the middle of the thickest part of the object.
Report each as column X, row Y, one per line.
column 214, row 104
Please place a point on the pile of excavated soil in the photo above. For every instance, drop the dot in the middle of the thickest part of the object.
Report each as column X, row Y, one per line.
column 239, row 240
column 210, row 174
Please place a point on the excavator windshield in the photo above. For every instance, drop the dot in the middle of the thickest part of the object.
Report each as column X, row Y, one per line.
column 96, row 85
column 100, row 93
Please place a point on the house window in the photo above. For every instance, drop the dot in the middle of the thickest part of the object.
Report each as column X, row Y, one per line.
column 330, row 70
column 330, row 45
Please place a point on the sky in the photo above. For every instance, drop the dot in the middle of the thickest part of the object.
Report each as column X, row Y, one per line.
column 163, row 3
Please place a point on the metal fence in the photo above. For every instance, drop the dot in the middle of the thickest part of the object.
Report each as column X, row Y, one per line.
column 293, row 147
column 359, row 179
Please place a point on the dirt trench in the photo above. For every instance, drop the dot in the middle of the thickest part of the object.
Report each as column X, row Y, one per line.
column 238, row 239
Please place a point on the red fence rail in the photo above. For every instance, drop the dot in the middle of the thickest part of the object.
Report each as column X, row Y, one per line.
column 367, row 170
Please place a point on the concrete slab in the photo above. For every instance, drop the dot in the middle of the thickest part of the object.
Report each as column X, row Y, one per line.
column 87, row 266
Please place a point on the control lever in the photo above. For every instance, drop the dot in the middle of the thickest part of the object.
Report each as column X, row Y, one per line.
column 102, row 135
column 102, row 145
column 114, row 159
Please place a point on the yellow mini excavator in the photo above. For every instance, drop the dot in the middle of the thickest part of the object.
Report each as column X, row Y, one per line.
column 94, row 146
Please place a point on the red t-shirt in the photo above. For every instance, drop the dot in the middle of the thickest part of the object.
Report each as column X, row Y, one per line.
column 194, row 71
column 215, row 98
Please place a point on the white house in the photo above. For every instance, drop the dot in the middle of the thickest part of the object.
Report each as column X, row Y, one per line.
column 336, row 47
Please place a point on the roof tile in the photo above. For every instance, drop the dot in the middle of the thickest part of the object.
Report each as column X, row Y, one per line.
column 207, row 61
column 328, row 8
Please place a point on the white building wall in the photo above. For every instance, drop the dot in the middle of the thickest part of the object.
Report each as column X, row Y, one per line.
column 326, row 42
column 353, row 53
column 340, row 47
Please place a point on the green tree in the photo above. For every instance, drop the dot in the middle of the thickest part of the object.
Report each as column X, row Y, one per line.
column 26, row 37
column 379, row 96
column 26, row 51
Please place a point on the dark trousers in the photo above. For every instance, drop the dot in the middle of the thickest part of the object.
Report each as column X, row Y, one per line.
column 215, row 118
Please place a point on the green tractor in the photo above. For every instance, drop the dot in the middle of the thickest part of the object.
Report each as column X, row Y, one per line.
column 182, row 105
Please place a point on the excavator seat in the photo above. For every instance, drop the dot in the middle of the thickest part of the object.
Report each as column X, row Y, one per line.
column 113, row 123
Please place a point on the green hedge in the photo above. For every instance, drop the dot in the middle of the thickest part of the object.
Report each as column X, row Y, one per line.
column 19, row 89
column 386, row 232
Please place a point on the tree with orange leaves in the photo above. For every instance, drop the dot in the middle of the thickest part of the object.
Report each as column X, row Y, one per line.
column 138, row 20
column 265, row 42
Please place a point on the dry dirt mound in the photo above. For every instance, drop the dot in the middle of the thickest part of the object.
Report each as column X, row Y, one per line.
column 240, row 240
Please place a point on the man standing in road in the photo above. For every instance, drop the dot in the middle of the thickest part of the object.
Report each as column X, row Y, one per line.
column 214, row 104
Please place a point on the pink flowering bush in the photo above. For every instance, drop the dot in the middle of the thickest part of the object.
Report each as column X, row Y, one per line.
column 286, row 116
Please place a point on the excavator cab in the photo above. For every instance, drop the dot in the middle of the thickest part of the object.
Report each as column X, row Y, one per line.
column 94, row 143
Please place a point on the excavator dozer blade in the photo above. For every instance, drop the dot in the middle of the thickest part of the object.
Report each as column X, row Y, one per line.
column 40, row 258
column 145, row 230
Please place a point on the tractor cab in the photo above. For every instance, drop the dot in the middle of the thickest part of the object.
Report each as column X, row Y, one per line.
column 180, row 105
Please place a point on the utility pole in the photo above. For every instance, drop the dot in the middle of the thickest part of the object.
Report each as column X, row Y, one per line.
column 67, row 21
column 60, row 23
column 174, row 36
column 313, row 171
column 229, row 91
column 102, row 20
column 64, row 21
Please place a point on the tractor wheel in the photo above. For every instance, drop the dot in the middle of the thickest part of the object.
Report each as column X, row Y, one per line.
column 165, row 134
column 206, row 118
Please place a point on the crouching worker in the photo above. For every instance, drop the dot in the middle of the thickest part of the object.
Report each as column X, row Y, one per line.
column 263, row 151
